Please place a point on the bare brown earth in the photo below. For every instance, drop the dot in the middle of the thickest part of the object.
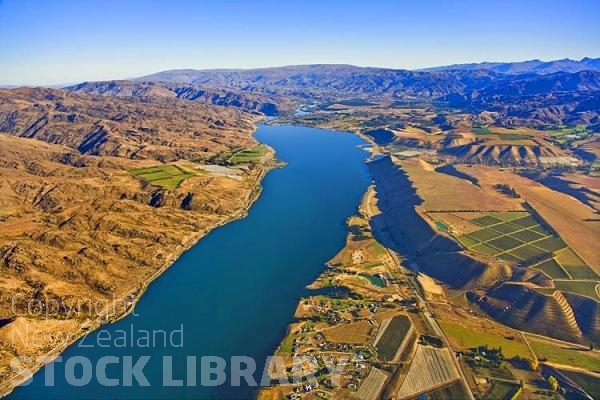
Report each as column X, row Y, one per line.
column 585, row 188
column 442, row 192
column 79, row 235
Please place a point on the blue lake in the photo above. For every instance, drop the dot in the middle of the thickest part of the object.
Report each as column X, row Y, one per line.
column 236, row 290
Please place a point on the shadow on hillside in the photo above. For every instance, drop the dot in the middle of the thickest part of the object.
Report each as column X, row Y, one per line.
column 400, row 228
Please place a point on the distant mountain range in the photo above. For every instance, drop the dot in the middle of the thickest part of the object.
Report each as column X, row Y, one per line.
column 527, row 67
column 549, row 98
column 323, row 80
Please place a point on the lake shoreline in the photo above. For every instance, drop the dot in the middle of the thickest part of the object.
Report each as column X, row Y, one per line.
column 319, row 186
column 87, row 327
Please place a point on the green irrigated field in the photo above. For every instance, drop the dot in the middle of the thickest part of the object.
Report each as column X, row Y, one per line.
column 526, row 236
column 376, row 249
column 526, row 252
column 586, row 288
column 506, row 228
column 486, row 249
column 167, row 176
column 466, row 338
column 510, row 236
column 370, row 265
column 502, row 390
column 485, row 234
column 562, row 135
column 553, row 269
column 520, row 238
column 251, row 155
column 486, row 220
column 505, row 243
column 514, row 136
column 481, row 130
column 551, row 244
column 288, row 343
column 525, row 222
column 581, row 272
column 539, row 229
column 563, row 355
column 467, row 241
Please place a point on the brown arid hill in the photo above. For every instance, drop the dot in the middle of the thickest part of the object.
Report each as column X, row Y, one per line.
column 77, row 230
column 485, row 152
column 268, row 105
column 164, row 129
column 524, row 147
column 522, row 307
column 527, row 67
column 589, row 151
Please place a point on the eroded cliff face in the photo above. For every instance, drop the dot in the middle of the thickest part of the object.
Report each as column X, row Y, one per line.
column 77, row 229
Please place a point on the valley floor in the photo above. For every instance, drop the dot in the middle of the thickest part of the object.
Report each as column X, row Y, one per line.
column 466, row 265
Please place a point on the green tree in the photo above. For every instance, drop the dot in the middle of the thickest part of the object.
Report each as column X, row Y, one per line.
column 534, row 364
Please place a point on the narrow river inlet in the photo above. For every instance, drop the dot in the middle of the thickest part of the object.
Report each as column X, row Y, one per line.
column 234, row 292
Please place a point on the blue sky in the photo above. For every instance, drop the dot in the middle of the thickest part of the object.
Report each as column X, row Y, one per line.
column 64, row 41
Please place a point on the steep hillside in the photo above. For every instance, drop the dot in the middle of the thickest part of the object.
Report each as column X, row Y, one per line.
column 560, row 98
column 164, row 129
column 333, row 78
column 79, row 231
column 524, row 308
column 215, row 96
column 501, row 154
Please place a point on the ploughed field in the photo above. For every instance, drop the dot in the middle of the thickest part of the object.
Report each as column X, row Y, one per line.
column 389, row 344
column 430, row 368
